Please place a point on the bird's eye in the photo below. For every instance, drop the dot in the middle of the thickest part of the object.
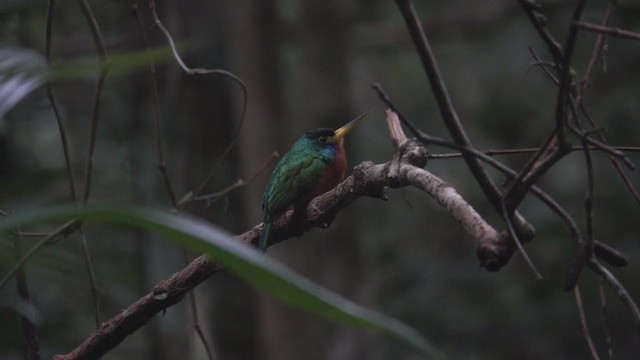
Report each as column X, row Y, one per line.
column 323, row 139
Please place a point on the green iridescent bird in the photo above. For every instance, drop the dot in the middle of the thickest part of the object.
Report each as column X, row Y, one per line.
column 315, row 164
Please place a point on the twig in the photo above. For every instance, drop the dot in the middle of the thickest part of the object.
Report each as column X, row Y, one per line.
column 514, row 236
column 63, row 230
column 160, row 153
column 585, row 83
column 61, row 129
column 586, row 249
column 597, row 50
column 162, row 166
column 612, row 152
column 196, row 324
column 494, row 152
column 584, row 326
column 595, row 54
column 538, row 20
column 565, row 78
column 92, row 276
column 213, row 197
column 179, row 205
column 545, row 69
column 202, row 71
column 445, row 105
column 607, row 332
column 620, row 290
column 628, row 183
column 588, row 200
column 613, row 31
column 178, row 58
column 95, row 116
column 104, row 69
column 27, row 312
column 556, row 145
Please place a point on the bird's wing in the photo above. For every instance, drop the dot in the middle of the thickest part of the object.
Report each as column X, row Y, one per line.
column 292, row 178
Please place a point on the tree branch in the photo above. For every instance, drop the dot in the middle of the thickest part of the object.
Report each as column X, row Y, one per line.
column 556, row 146
column 368, row 179
column 613, row 31
column 450, row 115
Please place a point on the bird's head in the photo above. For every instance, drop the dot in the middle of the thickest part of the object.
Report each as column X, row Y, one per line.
column 327, row 137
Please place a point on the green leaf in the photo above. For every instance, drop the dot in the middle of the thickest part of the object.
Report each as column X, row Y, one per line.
column 21, row 72
column 245, row 261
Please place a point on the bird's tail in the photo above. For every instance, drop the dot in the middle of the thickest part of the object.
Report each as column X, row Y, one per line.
column 264, row 239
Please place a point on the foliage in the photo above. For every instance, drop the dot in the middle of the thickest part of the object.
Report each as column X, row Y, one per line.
column 309, row 64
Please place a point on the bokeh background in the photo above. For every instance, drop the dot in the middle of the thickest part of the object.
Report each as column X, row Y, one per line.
column 308, row 64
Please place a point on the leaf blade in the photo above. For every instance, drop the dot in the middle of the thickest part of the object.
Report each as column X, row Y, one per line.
column 245, row 261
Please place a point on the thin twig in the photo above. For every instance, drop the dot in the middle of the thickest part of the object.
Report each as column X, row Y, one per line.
column 494, row 152
column 583, row 324
column 162, row 166
column 586, row 82
column 54, row 106
column 605, row 275
column 178, row 58
column 179, row 205
column 88, row 263
column 538, row 20
column 588, row 200
column 616, row 164
column 620, row 290
column 514, row 236
column 196, row 324
column 213, row 197
column 556, row 146
column 95, row 115
column 595, row 54
column 202, row 71
column 613, row 31
column 65, row 229
column 27, row 312
column 586, row 251
column 612, row 152
column 545, row 69
column 564, row 88
column 605, row 314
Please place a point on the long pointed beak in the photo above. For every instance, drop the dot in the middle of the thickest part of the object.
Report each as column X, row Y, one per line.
column 344, row 130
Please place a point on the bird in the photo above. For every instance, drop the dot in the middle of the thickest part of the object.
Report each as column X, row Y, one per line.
column 314, row 164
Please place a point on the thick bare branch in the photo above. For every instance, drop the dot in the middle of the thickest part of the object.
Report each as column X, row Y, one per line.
column 368, row 179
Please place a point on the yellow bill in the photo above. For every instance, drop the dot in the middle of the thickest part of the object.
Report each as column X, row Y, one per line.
column 344, row 130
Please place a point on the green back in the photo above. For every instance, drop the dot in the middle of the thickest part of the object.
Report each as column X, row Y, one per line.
column 295, row 174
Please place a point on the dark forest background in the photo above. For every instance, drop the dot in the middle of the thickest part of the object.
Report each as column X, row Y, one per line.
column 308, row 64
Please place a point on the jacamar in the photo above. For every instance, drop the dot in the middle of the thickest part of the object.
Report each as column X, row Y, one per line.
column 315, row 164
